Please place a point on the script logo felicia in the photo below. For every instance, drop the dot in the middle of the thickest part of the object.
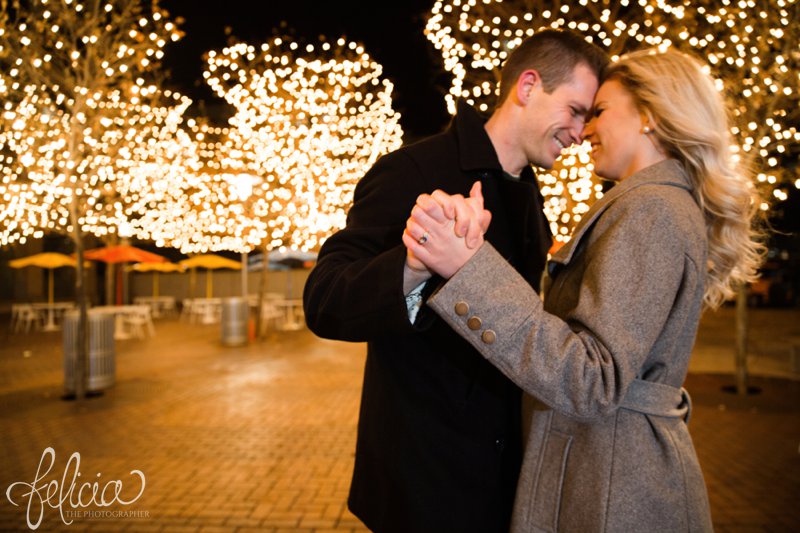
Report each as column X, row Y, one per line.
column 69, row 495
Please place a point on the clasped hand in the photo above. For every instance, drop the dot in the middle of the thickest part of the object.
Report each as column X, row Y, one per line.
column 444, row 231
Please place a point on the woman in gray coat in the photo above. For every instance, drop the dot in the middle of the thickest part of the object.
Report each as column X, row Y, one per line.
column 602, row 360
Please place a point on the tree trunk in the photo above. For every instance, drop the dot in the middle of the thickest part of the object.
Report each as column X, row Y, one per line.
column 110, row 268
column 245, row 290
column 82, row 338
column 109, row 283
column 262, row 290
column 741, row 340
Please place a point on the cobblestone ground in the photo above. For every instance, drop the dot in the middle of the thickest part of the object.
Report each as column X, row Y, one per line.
column 261, row 438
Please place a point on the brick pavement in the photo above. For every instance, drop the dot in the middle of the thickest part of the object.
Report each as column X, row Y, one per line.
column 261, row 438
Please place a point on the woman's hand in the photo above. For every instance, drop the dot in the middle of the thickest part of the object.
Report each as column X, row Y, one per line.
column 444, row 231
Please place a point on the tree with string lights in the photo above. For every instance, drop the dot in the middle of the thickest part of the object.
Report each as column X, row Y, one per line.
column 309, row 121
column 213, row 207
column 69, row 70
column 753, row 49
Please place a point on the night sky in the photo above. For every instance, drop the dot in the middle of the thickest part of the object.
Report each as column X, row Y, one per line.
column 393, row 36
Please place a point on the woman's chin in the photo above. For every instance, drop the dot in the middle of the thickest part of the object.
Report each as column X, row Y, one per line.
column 605, row 175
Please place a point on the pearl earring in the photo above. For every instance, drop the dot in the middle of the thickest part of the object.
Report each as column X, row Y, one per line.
column 647, row 130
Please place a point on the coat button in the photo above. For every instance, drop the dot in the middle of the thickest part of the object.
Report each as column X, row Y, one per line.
column 489, row 336
column 474, row 323
column 462, row 308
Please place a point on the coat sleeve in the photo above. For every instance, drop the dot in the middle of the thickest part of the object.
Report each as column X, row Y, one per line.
column 580, row 364
column 355, row 291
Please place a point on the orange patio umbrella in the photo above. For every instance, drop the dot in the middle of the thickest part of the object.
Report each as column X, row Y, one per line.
column 123, row 253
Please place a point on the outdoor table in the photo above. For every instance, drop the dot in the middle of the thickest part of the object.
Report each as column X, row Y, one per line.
column 53, row 310
column 160, row 305
column 141, row 313
column 206, row 310
column 290, row 307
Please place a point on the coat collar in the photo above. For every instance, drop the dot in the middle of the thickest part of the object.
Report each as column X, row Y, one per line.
column 668, row 172
column 476, row 151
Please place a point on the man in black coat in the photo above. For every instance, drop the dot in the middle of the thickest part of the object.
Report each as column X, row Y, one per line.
column 439, row 436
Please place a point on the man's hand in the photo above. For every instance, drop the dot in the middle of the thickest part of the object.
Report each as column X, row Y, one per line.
column 470, row 218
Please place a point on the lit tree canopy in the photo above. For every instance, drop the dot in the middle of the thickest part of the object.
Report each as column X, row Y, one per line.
column 752, row 48
column 309, row 121
column 212, row 208
column 77, row 111
column 137, row 154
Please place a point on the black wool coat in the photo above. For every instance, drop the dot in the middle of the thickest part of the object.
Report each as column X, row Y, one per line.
column 439, row 437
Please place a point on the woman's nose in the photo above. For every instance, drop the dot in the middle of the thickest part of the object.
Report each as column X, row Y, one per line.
column 588, row 130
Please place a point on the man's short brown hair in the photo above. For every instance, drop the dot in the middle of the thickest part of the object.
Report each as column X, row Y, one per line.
column 554, row 54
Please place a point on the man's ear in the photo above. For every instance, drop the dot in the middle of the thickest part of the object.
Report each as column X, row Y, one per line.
column 527, row 82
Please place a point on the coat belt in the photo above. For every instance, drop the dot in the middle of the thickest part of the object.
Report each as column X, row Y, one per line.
column 658, row 399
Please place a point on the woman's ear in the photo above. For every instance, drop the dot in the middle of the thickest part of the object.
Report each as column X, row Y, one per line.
column 648, row 123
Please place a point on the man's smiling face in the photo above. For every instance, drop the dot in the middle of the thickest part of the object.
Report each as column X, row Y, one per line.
column 556, row 119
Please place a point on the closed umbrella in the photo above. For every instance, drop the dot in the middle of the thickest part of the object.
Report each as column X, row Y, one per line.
column 210, row 262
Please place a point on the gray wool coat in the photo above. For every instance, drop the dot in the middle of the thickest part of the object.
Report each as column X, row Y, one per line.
column 601, row 361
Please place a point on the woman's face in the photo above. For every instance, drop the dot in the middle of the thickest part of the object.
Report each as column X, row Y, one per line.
column 615, row 132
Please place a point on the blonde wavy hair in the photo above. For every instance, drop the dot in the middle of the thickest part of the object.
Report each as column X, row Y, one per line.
column 691, row 125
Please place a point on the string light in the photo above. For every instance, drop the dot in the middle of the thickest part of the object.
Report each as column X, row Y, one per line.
column 79, row 124
column 117, row 155
column 309, row 121
column 752, row 51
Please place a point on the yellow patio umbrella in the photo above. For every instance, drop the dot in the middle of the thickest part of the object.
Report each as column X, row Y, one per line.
column 210, row 262
column 48, row 260
column 155, row 268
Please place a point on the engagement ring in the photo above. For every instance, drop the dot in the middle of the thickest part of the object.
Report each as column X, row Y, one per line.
column 423, row 239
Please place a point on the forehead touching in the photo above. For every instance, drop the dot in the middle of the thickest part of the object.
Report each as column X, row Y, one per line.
column 579, row 89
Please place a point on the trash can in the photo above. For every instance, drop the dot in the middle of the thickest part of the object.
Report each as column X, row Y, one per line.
column 102, row 351
column 235, row 314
